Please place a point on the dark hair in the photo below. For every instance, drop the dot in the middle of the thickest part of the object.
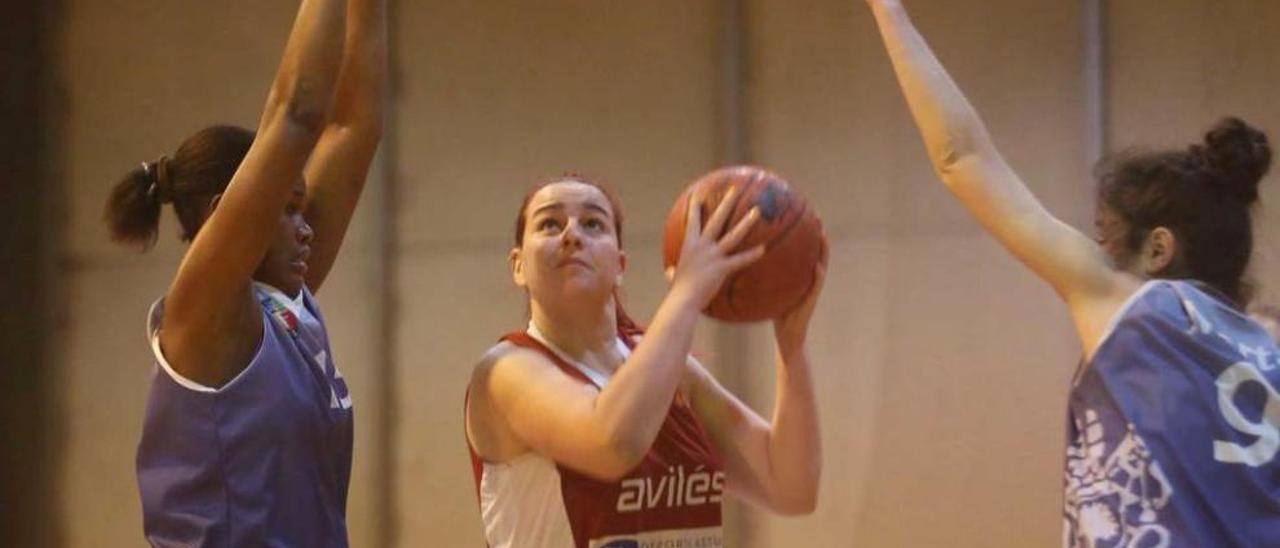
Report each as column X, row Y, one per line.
column 1202, row 194
column 200, row 169
column 627, row 327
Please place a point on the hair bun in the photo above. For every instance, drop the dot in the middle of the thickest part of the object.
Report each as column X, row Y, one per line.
column 1240, row 154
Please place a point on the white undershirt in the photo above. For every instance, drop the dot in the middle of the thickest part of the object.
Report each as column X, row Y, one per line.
column 600, row 378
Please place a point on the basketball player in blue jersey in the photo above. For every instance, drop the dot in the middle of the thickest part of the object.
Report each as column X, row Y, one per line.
column 1174, row 414
column 248, row 432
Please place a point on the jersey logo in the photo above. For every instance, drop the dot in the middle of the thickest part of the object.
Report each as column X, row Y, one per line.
column 335, row 401
column 1113, row 499
column 675, row 489
column 282, row 314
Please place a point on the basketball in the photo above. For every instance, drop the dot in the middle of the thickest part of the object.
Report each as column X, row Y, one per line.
column 788, row 227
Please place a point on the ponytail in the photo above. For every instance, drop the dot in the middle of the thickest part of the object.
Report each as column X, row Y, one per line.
column 133, row 210
column 200, row 169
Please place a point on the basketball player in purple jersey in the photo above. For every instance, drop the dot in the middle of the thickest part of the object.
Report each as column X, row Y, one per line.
column 247, row 438
column 1174, row 414
column 586, row 432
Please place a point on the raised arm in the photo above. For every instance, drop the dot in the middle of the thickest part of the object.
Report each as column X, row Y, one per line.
column 777, row 463
column 340, row 165
column 967, row 161
column 210, row 298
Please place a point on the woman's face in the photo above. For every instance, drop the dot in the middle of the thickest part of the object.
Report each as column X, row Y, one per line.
column 570, row 246
column 285, row 264
column 1112, row 234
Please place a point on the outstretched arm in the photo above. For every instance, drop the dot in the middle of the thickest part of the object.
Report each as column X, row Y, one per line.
column 971, row 167
column 340, row 165
column 967, row 161
column 210, row 298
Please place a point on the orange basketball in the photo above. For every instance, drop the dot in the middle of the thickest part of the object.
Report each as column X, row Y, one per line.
column 788, row 227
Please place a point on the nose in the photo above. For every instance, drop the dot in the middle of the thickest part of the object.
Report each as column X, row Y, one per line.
column 572, row 235
column 305, row 234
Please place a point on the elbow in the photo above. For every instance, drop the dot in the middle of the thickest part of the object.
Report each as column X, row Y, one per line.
column 626, row 451
column 952, row 153
column 302, row 104
column 948, row 155
column 799, row 496
column 621, row 454
column 953, row 168
column 307, row 108
column 944, row 160
column 805, row 505
column 800, row 503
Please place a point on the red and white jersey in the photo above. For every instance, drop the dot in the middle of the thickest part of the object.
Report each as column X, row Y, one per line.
column 671, row 499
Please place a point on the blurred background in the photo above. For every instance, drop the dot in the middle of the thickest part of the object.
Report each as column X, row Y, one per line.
column 942, row 365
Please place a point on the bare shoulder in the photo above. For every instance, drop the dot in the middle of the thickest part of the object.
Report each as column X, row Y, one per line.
column 1094, row 315
column 488, row 432
column 504, row 359
column 507, row 370
column 214, row 349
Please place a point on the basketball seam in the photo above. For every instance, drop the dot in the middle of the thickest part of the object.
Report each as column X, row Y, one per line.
column 729, row 282
column 800, row 217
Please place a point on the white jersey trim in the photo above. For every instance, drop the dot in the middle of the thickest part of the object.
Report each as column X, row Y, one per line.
column 598, row 377
column 153, row 328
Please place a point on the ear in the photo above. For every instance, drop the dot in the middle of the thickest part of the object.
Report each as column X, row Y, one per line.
column 517, row 267
column 1159, row 251
column 622, row 267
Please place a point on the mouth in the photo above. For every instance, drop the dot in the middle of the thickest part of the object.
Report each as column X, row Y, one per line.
column 571, row 261
column 299, row 262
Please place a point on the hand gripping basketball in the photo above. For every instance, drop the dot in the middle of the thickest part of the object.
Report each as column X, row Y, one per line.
column 705, row 260
column 784, row 223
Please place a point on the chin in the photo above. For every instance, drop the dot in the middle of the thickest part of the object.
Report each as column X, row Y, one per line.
column 289, row 286
column 584, row 291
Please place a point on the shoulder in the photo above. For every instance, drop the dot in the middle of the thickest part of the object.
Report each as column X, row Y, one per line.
column 507, row 364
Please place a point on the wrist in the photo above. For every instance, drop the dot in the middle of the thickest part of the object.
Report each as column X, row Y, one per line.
column 790, row 348
column 885, row 4
column 683, row 298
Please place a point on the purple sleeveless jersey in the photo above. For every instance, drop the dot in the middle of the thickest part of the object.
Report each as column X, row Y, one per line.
column 1174, row 428
column 263, row 461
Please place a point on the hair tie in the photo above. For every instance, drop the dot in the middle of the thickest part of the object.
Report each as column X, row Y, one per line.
column 157, row 174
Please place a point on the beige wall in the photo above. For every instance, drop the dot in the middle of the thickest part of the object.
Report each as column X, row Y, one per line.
column 942, row 364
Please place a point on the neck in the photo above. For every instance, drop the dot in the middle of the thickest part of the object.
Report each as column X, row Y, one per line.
column 582, row 331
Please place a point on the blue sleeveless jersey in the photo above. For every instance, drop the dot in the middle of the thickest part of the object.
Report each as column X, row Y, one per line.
column 1174, row 428
column 263, row 461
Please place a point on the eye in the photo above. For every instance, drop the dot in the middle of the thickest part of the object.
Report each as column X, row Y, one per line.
column 548, row 224
column 594, row 224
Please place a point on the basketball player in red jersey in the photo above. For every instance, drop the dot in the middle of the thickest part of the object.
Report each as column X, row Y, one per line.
column 586, row 432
